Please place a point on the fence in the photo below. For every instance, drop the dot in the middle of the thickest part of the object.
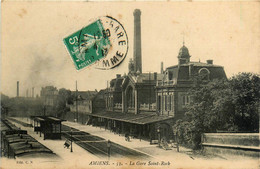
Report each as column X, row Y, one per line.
column 148, row 107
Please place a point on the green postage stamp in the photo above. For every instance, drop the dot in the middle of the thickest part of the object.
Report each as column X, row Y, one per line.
column 92, row 44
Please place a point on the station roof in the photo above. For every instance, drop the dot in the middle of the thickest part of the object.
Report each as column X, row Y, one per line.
column 8, row 128
column 6, row 125
column 132, row 118
column 47, row 118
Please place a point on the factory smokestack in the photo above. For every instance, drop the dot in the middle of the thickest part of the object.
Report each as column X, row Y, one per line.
column 32, row 92
column 27, row 93
column 17, row 94
column 137, row 41
column 161, row 67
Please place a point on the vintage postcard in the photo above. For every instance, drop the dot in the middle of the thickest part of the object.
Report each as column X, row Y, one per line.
column 130, row 84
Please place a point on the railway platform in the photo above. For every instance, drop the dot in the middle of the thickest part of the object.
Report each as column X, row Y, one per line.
column 136, row 144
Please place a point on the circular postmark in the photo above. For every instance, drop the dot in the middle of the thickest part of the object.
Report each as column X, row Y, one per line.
column 118, row 43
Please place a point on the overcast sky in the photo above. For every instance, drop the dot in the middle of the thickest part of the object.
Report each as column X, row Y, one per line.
column 32, row 49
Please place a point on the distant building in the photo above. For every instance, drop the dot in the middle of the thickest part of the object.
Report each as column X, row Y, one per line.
column 82, row 95
column 86, row 103
column 49, row 95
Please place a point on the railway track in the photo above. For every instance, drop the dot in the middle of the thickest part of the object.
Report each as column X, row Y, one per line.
column 19, row 122
column 98, row 146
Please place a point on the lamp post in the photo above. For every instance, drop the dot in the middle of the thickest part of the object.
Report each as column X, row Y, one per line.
column 108, row 148
column 71, row 140
column 177, row 140
column 44, row 105
column 44, row 110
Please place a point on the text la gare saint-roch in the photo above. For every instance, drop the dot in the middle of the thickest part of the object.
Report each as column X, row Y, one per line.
column 149, row 163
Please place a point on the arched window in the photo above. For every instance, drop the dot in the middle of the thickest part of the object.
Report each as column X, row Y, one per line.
column 204, row 73
column 130, row 97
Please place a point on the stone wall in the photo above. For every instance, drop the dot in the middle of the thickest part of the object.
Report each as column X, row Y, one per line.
column 235, row 144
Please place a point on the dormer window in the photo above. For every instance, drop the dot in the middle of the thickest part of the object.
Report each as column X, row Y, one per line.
column 165, row 77
column 204, row 73
column 170, row 75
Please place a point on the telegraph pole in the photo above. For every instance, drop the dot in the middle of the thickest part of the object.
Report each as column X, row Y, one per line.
column 107, row 98
column 149, row 103
column 44, row 105
column 77, row 101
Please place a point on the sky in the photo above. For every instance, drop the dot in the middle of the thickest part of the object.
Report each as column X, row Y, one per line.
column 33, row 52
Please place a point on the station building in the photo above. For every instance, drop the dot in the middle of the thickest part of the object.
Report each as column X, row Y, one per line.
column 87, row 102
column 131, row 98
column 49, row 97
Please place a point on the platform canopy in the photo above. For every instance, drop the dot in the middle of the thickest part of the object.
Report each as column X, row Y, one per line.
column 46, row 118
column 132, row 118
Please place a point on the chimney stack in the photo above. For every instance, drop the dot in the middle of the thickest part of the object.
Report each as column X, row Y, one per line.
column 27, row 93
column 32, row 92
column 210, row 62
column 17, row 94
column 155, row 76
column 137, row 41
column 161, row 67
column 118, row 76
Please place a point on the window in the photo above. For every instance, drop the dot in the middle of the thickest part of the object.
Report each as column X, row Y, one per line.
column 159, row 103
column 169, row 102
column 172, row 102
column 165, row 101
column 55, row 128
column 188, row 99
column 185, row 100
column 130, row 97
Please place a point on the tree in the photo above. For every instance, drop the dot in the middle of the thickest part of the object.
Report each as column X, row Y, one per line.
column 4, row 105
column 221, row 105
column 246, row 99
